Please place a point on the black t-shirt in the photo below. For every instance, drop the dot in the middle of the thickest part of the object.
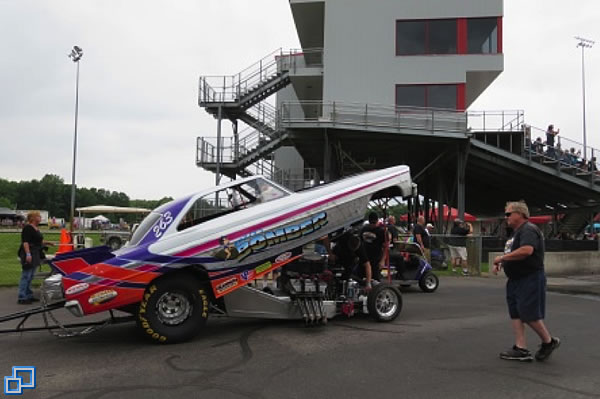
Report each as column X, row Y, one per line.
column 527, row 234
column 458, row 241
column 373, row 238
column 550, row 138
column 393, row 231
column 350, row 259
column 32, row 236
column 424, row 235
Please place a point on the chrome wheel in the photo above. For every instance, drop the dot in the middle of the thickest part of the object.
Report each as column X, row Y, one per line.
column 173, row 308
column 431, row 282
column 386, row 303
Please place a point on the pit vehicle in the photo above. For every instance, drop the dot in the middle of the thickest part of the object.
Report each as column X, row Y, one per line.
column 207, row 252
column 115, row 239
column 411, row 267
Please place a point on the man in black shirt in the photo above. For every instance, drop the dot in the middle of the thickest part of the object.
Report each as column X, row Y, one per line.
column 458, row 245
column 350, row 253
column 421, row 237
column 373, row 238
column 523, row 263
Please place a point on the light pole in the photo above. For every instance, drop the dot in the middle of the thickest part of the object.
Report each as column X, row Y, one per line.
column 75, row 55
column 583, row 43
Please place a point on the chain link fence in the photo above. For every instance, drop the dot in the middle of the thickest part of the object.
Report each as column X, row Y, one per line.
column 441, row 258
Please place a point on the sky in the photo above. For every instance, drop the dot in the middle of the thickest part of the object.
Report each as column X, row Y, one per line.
column 138, row 112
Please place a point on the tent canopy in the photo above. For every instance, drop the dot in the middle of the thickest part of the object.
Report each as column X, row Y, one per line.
column 101, row 219
column 433, row 216
column 7, row 212
column 111, row 209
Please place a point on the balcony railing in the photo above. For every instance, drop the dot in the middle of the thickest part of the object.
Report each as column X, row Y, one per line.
column 374, row 116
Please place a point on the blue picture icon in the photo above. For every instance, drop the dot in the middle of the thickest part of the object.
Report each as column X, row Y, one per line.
column 23, row 377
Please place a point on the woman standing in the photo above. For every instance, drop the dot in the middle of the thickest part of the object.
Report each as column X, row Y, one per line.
column 30, row 254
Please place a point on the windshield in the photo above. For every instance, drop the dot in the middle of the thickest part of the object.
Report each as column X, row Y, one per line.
column 143, row 228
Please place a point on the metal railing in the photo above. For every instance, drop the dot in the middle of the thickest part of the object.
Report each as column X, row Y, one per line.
column 496, row 121
column 373, row 116
column 566, row 155
column 230, row 88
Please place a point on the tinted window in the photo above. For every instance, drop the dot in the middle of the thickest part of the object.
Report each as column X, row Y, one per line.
column 433, row 96
column 411, row 96
column 482, row 36
column 442, row 96
column 442, row 36
column 410, row 37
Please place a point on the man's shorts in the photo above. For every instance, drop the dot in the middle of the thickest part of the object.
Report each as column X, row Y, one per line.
column 526, row 297
column 458, row 252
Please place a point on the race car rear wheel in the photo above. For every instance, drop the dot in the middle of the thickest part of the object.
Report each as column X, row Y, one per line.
column 384, row 302
column 429, row 282
column 174, row 309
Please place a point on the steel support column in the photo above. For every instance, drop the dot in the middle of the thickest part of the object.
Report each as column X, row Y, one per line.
column 460, row 181
column 326, row 158
column 219, row 149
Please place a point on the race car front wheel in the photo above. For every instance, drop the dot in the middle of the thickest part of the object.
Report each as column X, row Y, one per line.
column 384, row 302
column 173, row 309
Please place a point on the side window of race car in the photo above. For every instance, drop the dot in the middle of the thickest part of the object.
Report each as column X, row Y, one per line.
column 205, row 208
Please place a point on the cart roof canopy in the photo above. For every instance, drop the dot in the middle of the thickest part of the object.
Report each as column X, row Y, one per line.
column 111, row 209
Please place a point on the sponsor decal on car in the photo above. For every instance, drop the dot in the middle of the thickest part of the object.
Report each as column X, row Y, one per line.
column 226, row 285
column 262, row 268
column 247, row 275
column 259, row 241
column 77, row 288
column 101, row 297
column 283, row 257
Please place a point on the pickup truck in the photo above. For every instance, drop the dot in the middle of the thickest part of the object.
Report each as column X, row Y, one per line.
column 115, row 239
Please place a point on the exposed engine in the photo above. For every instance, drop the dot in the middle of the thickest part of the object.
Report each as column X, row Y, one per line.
column 309, row 282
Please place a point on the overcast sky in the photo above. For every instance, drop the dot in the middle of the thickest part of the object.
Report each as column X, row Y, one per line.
column 138, row 114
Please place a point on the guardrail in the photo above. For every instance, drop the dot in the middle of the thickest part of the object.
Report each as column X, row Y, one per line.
column 374, row 116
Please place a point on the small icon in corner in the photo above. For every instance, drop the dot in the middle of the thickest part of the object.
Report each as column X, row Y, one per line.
column 23, row 377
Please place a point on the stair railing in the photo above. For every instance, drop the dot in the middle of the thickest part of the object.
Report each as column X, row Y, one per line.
column 230, row 88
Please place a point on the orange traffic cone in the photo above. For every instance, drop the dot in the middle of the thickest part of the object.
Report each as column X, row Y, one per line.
column 65, row 244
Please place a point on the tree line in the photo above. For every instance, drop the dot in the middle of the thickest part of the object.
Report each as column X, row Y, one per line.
column 53, row 195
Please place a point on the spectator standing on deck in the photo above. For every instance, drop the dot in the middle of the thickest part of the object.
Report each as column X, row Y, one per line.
column 550, row 133
column 523, row 263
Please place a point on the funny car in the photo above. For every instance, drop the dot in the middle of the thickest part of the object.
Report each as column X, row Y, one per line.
column 210, row 252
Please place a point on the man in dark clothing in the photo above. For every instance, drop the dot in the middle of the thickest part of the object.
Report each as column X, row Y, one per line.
column 458, row 245
column 523, row 263
column 391, row 228
column 550, row 133
column 350, row 253
column 373, row 238
column 421, row 236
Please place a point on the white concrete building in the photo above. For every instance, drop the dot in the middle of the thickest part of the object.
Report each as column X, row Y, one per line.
column 426, row 53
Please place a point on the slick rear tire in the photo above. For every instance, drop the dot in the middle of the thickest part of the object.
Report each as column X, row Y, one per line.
column 429, row 282
column 384, row 302
column 174, row 309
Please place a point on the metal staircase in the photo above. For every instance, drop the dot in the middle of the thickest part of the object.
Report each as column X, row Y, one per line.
column 575, row 222
column 241, row 97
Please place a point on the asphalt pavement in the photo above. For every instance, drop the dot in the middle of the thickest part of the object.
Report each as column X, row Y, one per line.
column 444, row 344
